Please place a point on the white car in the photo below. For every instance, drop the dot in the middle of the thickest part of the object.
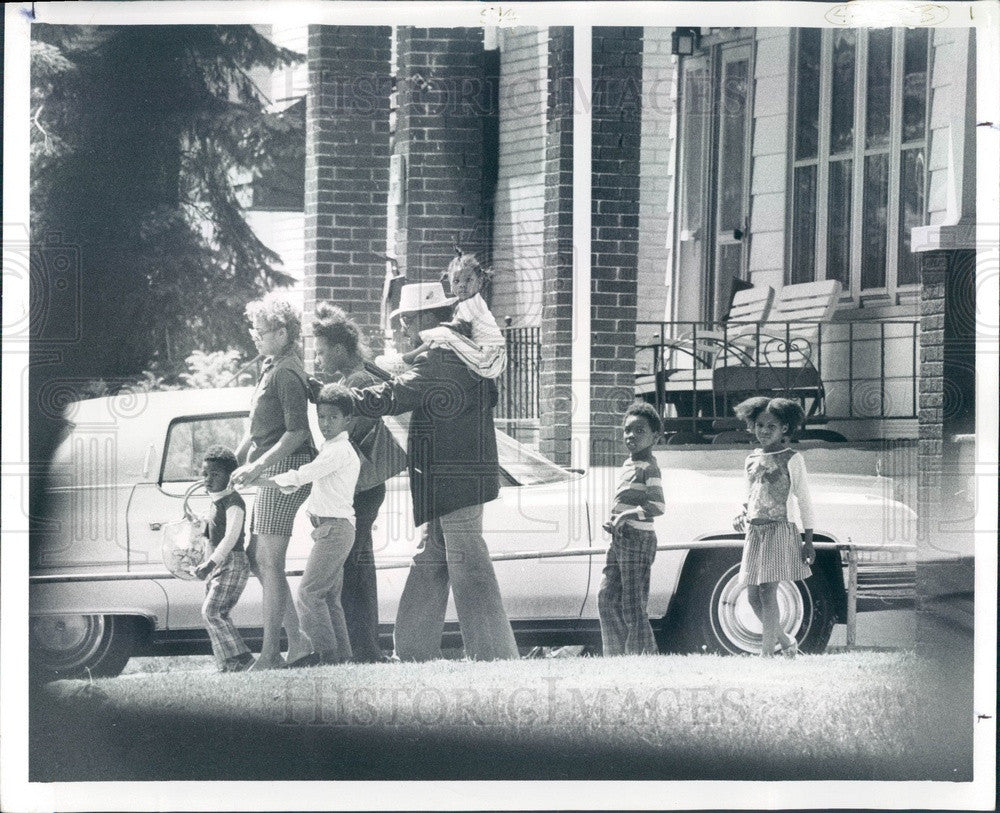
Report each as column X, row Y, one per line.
column 100, row 592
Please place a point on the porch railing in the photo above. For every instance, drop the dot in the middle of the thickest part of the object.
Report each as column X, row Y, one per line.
column 518, row 385
column 696, row 372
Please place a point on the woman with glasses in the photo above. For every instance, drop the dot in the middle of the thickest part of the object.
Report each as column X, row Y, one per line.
column 278, row 439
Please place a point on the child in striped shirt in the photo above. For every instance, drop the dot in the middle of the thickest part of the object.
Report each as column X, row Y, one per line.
column 621, row 601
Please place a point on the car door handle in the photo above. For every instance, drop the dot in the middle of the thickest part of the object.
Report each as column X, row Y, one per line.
column 155, row 526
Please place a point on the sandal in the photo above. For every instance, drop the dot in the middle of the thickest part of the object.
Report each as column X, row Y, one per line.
column 312, row 659
column 789, row 651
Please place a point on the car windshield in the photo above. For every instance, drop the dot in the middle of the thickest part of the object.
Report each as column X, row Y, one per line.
column 525, row 466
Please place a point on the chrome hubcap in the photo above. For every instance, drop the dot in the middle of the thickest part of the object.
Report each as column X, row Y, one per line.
column 66, row 641
column 738, row 625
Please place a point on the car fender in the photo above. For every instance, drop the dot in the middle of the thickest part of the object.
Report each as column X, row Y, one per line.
column 143, row 597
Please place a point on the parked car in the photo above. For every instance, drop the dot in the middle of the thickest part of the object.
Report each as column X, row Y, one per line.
column 100, row 592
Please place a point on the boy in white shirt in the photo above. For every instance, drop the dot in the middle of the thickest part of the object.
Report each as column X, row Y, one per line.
column 333, row 474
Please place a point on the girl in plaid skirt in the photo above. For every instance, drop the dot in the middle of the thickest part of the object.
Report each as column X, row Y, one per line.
column 776, row 485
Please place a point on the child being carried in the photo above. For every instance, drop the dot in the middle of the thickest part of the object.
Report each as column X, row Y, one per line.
column 473, row 333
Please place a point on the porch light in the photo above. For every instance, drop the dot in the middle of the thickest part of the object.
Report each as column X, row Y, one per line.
column 684, row 41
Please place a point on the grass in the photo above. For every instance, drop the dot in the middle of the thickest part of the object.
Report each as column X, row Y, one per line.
column 851, row 716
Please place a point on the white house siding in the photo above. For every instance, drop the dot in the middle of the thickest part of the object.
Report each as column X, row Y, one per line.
column 290, row 82
column 946, row 163
column 769, row 170
column 284, row 234
column 877, row 377
column 656, row 182
column 520, row 196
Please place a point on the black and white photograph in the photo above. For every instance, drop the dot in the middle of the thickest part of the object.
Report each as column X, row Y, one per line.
column 529, row 406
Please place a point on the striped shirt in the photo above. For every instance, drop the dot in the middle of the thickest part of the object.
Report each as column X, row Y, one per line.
column 639, row 485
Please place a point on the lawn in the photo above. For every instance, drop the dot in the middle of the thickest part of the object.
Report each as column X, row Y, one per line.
column 864, row 715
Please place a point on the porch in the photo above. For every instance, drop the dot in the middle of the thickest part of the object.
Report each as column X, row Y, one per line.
column 855, row 380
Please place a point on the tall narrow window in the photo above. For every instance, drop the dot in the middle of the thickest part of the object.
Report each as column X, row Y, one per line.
column 803, row 265
column 838, row 236
column 857, row 185
column 912, row 156
column 874, row 223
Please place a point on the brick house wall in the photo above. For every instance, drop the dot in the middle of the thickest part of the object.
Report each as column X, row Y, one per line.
column 616, row 126
column 519, row 203
column 555, row 377
column 439, row 134
column 347, row 169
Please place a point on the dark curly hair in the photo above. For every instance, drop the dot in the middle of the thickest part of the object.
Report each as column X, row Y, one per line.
column 222, row 458
column 647, row 411
column 336, row 395
column 466, row 261
column 333, row 325
column 787, row 412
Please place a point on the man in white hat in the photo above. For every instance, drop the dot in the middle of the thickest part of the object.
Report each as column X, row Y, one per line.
column 452, row 460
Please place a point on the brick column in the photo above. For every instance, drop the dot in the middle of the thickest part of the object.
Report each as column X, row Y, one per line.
column 930, row 444
column 555, row 377
column 441, row 90
column 617, row 114
column 347, row 169
column 934, row 267
column 945, row 557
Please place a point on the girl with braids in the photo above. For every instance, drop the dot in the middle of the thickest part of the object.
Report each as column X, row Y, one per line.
column 473, row 333
column 777, row 485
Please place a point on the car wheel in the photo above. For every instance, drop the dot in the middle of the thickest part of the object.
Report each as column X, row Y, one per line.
column 69, row 646
column 714, row 614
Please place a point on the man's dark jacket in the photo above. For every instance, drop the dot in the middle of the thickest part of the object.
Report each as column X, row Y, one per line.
column 451, row 446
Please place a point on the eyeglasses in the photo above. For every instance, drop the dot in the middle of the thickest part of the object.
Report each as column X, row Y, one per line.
column 258, row 335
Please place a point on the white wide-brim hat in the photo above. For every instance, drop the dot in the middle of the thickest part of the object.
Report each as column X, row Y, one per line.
column 422, row 296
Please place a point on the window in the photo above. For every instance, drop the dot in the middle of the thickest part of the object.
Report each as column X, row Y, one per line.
column 189, row 438
column 858, row 164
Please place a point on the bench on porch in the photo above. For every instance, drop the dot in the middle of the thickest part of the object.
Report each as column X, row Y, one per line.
column 771, row 349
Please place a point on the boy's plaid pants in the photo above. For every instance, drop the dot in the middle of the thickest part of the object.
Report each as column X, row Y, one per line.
column 624, row 593
column 222, row 591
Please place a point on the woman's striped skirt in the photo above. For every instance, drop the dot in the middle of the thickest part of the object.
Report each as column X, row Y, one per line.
column 773, row 553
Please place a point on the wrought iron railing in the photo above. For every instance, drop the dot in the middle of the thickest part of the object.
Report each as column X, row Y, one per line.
column 518, row 385
column 695, row 372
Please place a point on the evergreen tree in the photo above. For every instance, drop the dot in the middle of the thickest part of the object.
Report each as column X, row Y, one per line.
column 136, row 134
